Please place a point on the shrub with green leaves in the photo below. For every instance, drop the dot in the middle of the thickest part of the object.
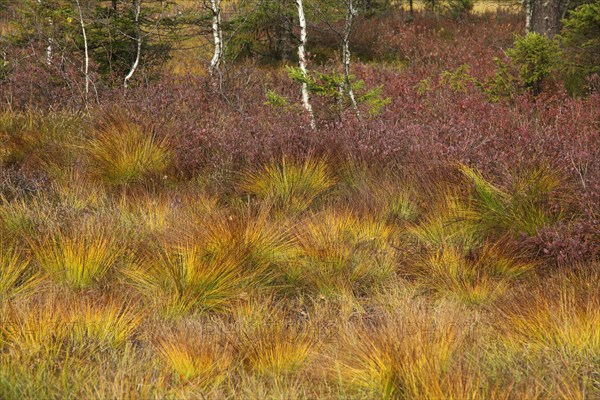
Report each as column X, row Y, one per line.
column 458, row 8
column 330, row 85
column 503, row 84
column 580, row 40
column 536, row 58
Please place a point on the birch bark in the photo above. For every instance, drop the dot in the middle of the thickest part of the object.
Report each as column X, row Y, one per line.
column 137, row 4
column 302, row 63
column 49, row 40
column 215, row 63
column 350, row 15
column 85, row 45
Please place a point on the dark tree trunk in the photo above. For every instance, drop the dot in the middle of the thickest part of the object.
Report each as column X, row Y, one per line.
column 546, row 16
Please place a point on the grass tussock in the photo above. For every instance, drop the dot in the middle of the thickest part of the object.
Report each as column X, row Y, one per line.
column 306, row 279
column 271, row 344
column 77, row 259
column 471, row 278
column 16, row 274
column 102, row 326
column 525, row 209
column 289, row 185
column 122, row 153
column 339, row 252
column 183, row 239
column 408, row 356
column 183, row 280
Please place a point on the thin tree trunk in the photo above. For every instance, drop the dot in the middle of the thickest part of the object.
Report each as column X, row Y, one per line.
column 49, row 40
column 138, row 38
column 302, row 63
column 411, row 14
column 350, row 15
column 528, row 15
column 50, row 48
column 87, row 57
column 215, row 63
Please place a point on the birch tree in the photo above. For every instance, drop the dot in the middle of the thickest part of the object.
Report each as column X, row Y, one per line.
column 351, row 13
column 215, row 62
column 49, row 39
column 528, row 15
column 86, row 51
column 137, row 5
column 302, row 63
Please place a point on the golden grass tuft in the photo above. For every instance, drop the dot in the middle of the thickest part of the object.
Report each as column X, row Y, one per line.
column 77, row 259
column 122, row 153
column 277, row 348
column 258, row 243
column 103, row 326
column 446, row 223
column 564, row 320
column 525, row 209
column 182, row 281
column 40, row 140
column 270, row 341
column 16, row 274
column 21, row 219
column 449, row 272
column 196, row 357
column 40, row 328
column 406, row 357
column 290, row 185
column 340, row 251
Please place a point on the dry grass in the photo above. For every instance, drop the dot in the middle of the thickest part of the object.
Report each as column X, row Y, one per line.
column 122, row 153
column 297, row 281
column 77, row 259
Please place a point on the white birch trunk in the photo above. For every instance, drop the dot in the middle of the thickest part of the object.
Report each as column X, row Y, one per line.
column 215, row 63
column 351, row 14
column 528, row 15
column 49, row 40
column 138, row 38
column 87, row 57
column 302, row 62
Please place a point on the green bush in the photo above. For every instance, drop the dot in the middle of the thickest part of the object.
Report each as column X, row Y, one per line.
column 458, row 8
column 536, row 57
column 580, row 40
